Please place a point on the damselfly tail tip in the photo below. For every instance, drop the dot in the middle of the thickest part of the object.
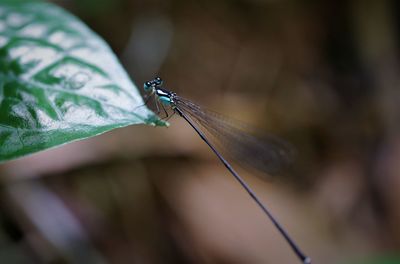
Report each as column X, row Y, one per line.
column 307, row 260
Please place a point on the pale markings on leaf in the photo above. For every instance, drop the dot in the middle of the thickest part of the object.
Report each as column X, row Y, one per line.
column 58, row 78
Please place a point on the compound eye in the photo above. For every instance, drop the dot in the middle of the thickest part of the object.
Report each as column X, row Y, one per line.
column 158, row 81
column 147, row 85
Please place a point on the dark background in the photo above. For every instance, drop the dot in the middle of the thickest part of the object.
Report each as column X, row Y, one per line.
column 321, row 75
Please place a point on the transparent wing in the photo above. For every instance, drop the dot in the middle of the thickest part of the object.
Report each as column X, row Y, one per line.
column 270, row 154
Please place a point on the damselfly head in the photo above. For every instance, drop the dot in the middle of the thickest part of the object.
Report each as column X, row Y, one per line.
column 149, row 85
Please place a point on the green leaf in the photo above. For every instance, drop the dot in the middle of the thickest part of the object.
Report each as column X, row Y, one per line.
column 59, row 82
column 389, row 258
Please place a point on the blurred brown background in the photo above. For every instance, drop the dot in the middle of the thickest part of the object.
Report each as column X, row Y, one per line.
column 322, row 75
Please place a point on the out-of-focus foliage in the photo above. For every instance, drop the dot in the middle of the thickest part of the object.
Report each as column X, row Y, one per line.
column 378, row 260
column 59, row 81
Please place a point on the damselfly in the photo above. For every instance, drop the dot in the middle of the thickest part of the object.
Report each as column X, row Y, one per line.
column 267, row 155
